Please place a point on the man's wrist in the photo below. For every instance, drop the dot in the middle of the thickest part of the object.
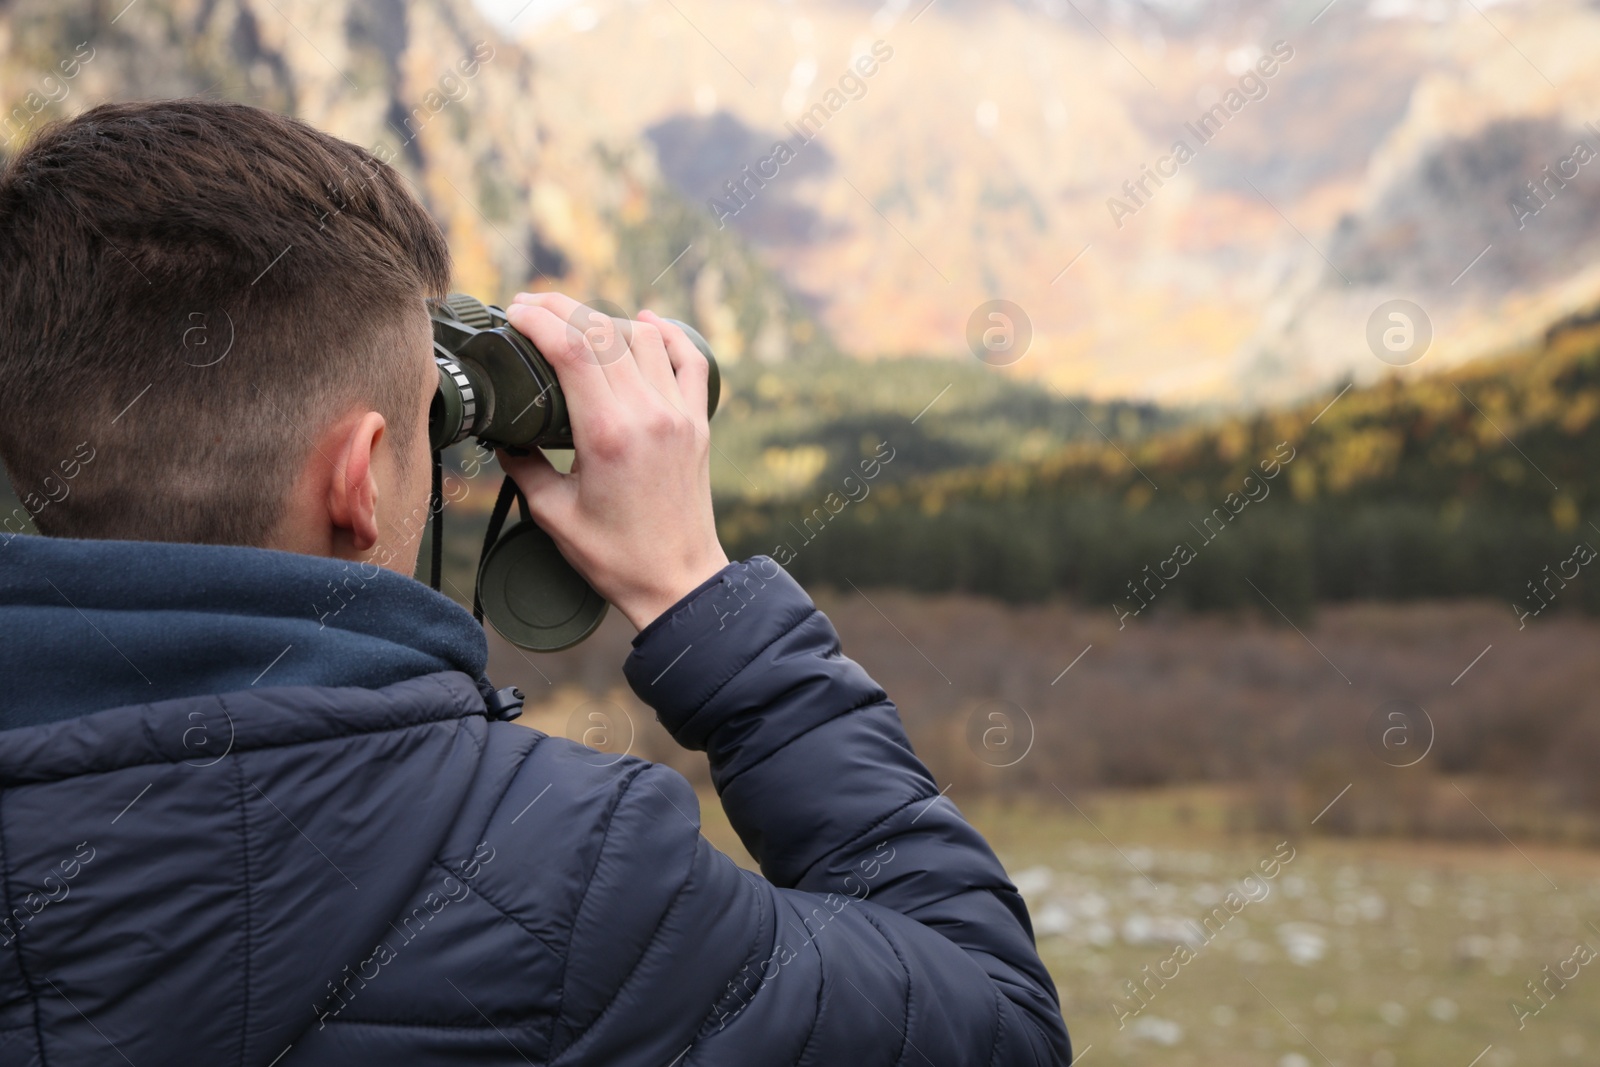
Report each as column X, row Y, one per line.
column 652, row 604
column 692, row 651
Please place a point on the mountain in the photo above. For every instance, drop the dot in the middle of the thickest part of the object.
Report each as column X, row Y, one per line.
column 1016, row 151
column 457, row 106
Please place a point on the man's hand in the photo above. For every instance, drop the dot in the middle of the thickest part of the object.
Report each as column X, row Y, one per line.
column 634, row 515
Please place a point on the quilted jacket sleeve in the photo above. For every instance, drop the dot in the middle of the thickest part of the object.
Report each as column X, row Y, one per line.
column 885, row 930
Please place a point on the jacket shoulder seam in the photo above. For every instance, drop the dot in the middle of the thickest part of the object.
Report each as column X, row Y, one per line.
column 478, row 892
column 753, row 954
column 578, row 912
column 905, row 1033
column 511, row 779
column 999, row 1026
column 816, row 1017
column 244, row 846
column 655, row 935
column 588, row 883
column 22, row 967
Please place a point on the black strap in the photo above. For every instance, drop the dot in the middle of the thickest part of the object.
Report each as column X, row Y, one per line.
column 491, row 534
column 436, row 502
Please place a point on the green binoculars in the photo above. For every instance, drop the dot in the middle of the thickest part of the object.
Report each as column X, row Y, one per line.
column 495, row 386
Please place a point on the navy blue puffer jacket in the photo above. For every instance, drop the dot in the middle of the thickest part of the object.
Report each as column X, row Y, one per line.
column 337, row 857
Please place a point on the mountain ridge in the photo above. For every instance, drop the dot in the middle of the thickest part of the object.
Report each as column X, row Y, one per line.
column 979, row 163
column 435, row 88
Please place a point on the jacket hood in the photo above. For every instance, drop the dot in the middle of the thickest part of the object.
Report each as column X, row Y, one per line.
column 90, row 625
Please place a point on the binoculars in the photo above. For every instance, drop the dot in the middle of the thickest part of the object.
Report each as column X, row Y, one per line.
column 495, row 386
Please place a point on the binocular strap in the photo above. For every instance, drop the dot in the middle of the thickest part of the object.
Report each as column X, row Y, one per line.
column 497, row 520
column 436, row 504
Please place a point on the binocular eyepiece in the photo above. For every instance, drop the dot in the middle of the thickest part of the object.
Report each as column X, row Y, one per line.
column 495, row 385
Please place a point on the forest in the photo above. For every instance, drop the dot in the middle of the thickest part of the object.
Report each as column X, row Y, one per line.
column 1480, row 481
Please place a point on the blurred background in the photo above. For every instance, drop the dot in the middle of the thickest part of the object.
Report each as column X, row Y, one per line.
column 1188, row 410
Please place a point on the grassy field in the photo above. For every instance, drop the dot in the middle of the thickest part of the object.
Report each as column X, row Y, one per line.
column 1358, row 953
column 1404, row 926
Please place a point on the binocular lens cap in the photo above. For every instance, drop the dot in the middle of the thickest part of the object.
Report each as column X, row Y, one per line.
column 532, row 596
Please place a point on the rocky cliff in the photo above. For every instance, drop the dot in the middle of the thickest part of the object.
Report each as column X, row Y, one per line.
column 437, row 89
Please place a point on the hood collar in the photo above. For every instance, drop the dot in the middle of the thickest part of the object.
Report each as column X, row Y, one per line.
column 90, row 625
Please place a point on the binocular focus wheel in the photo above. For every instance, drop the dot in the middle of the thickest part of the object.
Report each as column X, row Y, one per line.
column 455, row 405
column 532, row 596
column 470, row 310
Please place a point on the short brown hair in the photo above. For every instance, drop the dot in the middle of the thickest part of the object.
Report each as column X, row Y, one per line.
column 193, row 288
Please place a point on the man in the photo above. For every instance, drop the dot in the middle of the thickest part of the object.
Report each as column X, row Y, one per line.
column 256, row 803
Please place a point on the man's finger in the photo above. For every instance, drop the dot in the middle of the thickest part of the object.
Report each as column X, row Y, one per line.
column 689, row 366
column 606, row 337
column 559, row 303
column 583, row 382
column 609, row 337
column 655, row 366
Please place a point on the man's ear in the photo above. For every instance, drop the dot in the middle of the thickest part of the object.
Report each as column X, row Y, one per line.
column 353, row 491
